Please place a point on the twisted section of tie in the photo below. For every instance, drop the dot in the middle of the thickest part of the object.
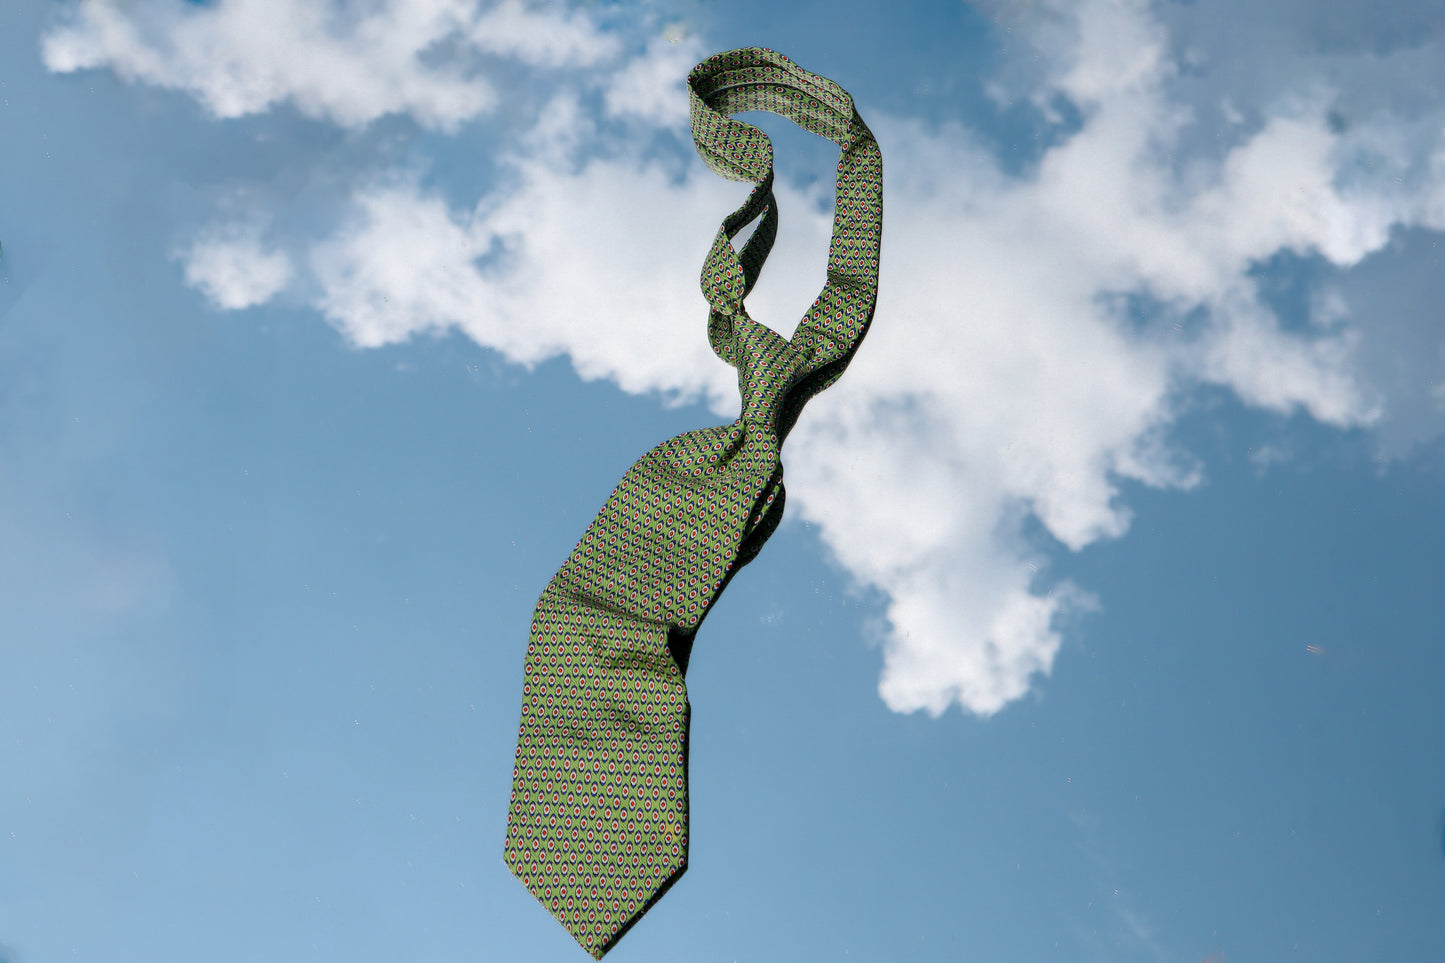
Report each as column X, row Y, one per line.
column 597, row 826
column 834, row 326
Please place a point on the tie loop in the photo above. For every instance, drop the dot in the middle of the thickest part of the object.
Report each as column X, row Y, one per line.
column 830, row 331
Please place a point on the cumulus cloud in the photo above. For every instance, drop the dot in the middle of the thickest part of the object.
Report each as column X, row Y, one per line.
column 229, row 264
column 652, row 87
column 1376, row 75
column 547, row 283
column 332, row 61
column 1009, row 374
column 541, row 37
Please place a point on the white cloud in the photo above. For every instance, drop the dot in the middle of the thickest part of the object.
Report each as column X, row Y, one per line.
column 542, row 37
column 653, row 87
column 1270, row 369
column 240, row 57
column 585, row 262
column 1003, row 376
column 231, row 267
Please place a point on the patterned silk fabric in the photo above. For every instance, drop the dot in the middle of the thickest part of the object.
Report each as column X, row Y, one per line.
column 598, row 822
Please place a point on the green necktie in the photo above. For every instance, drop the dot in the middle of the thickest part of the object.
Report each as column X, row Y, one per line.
column 597, row 826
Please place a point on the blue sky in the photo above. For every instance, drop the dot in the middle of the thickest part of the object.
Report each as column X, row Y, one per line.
column 1103, row 624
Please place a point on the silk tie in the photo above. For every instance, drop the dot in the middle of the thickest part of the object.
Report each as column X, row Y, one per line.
column 598, row 821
